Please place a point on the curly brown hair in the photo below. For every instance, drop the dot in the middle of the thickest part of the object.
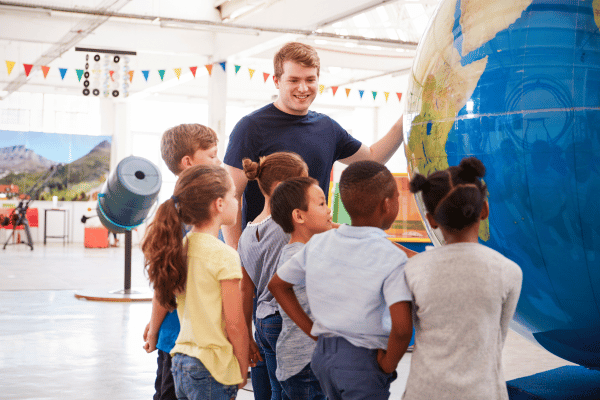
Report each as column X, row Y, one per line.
column 164, row 252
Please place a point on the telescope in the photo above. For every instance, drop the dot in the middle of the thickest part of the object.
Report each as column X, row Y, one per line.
column 124, row 202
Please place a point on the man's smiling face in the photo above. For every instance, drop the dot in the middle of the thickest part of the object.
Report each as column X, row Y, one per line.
column 297, row 88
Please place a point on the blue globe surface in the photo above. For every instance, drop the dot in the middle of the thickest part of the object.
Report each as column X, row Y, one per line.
column 517, row 84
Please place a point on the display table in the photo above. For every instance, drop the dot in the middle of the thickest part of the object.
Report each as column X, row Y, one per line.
column 65, row 232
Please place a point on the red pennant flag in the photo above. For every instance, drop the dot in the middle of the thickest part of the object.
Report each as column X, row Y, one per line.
column 45, row 70
column 266, row 76
column 399, row 96
column 193, row 69
column 209, row 68
column 111, row 75
column 27, row 68
column 334, row 89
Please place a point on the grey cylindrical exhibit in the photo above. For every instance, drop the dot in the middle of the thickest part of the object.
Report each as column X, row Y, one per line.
column 128, row 194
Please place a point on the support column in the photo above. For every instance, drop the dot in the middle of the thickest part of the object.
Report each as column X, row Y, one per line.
column 217, row 102
column 114, row 121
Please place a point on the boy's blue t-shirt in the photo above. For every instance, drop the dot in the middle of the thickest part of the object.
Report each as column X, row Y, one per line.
column 169, row 329
column 317, row 138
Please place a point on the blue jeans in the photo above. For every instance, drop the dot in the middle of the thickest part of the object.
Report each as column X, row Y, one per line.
column 194, row 382
column 267, row 332
column 303, row 386
column 348, row 372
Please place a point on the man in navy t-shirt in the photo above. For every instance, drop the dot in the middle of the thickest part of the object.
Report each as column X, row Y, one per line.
column 288, row 125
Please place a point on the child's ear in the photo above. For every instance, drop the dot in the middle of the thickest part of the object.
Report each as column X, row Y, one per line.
column 485, row 211
column 219, row 204
column 431, row 221
column 297, row 216
column 186, row 162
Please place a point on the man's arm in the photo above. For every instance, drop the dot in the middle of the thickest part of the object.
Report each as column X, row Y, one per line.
column 286, row 298
column 232, row 233
column 383, row 149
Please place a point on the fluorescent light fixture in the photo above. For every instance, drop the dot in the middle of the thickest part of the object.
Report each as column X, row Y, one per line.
column 321, row 41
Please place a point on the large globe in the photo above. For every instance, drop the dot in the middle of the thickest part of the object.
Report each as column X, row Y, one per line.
column 517, row 84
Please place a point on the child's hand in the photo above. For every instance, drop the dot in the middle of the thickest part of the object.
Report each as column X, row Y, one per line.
column 254, row 353
column 150, row 339
column 244, row 382
column 384, row 363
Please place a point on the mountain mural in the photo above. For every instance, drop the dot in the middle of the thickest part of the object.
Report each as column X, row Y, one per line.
column 19, row 159
column 23, row 167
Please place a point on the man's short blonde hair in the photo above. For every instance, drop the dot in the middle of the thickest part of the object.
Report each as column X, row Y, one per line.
column 300, row 53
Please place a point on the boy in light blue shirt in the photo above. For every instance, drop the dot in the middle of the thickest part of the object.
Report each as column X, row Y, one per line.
column 353, row 276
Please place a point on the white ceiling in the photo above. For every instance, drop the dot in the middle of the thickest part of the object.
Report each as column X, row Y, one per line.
column 362, row 44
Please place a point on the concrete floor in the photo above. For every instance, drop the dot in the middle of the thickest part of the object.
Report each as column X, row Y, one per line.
column 54, row 346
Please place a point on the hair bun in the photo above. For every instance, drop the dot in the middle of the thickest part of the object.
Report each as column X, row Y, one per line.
column 251, row 169
column 419, row 183
column 470, row 169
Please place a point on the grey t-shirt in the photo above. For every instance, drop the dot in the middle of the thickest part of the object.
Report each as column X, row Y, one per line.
column 465, row 295
column 294, row 347
column 259, row 248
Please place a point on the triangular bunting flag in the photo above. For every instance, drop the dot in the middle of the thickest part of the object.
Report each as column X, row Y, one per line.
column 9, row 66
column 146, row 73
column 79, row 74
column 334, row 89
column 209, row 68
column 237, row 68
column 266, row 76
column 193, row 69
column 348, row 92
column 251, row 71
column 27, row 68
column 63, row 72
column 111, row 75
column 374, row 95
column 45, row 70
column 399, row 96
column 321, row 89
column 386, row 94
column 361, row 92
column 161, row 72
column 223, row 65
column 130, row 76
column 177, row 72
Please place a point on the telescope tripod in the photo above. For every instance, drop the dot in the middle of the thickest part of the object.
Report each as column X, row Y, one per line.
column 19, row 218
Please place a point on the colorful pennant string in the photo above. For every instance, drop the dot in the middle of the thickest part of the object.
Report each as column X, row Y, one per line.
column 27, row 68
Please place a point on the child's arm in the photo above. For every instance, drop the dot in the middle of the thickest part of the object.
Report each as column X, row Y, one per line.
column 156, row 319
column 409, row 252
column 235, row 326
column 399, row 337
column 247, row 290
column 286, row 297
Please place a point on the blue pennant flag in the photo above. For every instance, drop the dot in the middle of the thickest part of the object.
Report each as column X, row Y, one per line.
column 146, row 73
column 223, row 65
column 63, row 72
column 361, row 92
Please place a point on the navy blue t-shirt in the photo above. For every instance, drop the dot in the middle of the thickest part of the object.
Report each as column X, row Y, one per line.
column 318, row 139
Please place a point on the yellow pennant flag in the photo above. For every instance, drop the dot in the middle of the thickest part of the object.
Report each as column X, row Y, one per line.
column 321, row 89
column 177, row 72
column 251, row 71
column 348, row 92
column 130, row 76
column 386, row 94
column 9, row 66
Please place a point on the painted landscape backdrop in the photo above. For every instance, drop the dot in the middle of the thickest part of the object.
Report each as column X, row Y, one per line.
column 81, row 164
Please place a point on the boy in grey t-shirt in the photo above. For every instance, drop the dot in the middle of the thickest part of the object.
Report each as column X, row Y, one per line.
column 353, row 274
column 298, row 205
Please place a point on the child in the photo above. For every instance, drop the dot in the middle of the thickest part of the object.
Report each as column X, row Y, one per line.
column 299, row 206
column 259, row 248
column 464, row 293
column 211, row 351
column 353, row 274
column 181, row 147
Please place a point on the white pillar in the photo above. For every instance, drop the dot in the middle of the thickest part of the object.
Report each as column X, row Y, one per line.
column 217, row 102
column 114, row 121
